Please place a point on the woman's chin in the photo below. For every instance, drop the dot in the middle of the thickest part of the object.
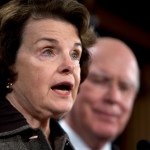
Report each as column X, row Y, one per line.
column 61, row 114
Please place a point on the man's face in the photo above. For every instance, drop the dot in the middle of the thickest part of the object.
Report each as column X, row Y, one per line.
column 106, row 97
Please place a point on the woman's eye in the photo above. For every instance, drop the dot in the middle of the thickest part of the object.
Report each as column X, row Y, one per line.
column 76, row 55
column 48, row 52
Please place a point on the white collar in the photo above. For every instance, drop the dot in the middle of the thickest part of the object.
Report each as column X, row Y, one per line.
column 107, row 147
column 76, row 140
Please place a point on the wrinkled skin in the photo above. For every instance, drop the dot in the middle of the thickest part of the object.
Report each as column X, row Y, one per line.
column 49, row 55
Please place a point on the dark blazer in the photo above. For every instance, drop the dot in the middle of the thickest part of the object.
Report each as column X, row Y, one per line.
column 115, row 147
column 16, row 134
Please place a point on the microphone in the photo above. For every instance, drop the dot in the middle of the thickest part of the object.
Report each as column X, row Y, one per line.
column 143, row 145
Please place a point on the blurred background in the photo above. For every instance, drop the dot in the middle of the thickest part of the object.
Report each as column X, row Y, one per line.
column 130, row 22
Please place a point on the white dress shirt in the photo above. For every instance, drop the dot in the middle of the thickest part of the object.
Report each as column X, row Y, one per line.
column 76, row 140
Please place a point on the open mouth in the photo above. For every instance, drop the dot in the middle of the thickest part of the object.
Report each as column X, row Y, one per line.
column 63, row 88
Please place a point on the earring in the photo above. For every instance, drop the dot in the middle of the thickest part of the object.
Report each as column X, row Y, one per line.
column 8, row 86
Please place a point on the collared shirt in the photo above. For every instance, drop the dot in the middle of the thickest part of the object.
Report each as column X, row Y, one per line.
column 76, row 140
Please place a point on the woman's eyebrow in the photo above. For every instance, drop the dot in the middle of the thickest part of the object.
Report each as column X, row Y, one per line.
column 47, row 39
column 78, row 44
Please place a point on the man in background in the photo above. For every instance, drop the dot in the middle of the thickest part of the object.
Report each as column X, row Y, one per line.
column 106, row 98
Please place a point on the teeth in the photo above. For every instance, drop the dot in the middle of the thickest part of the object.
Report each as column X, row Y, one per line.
column 62, row 92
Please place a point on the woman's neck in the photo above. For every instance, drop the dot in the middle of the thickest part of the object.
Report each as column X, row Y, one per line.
column 33, row 121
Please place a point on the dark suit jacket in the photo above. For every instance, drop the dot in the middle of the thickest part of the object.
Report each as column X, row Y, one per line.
column 115, row 147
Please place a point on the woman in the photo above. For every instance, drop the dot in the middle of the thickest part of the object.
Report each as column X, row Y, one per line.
column 43, row 53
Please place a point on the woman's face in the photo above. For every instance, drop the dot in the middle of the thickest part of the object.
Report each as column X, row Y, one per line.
column 48, row 68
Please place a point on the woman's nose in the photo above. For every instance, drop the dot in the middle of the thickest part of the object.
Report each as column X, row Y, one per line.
column 67, row 66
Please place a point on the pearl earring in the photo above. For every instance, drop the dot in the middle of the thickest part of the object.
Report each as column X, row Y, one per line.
column 8, row 86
